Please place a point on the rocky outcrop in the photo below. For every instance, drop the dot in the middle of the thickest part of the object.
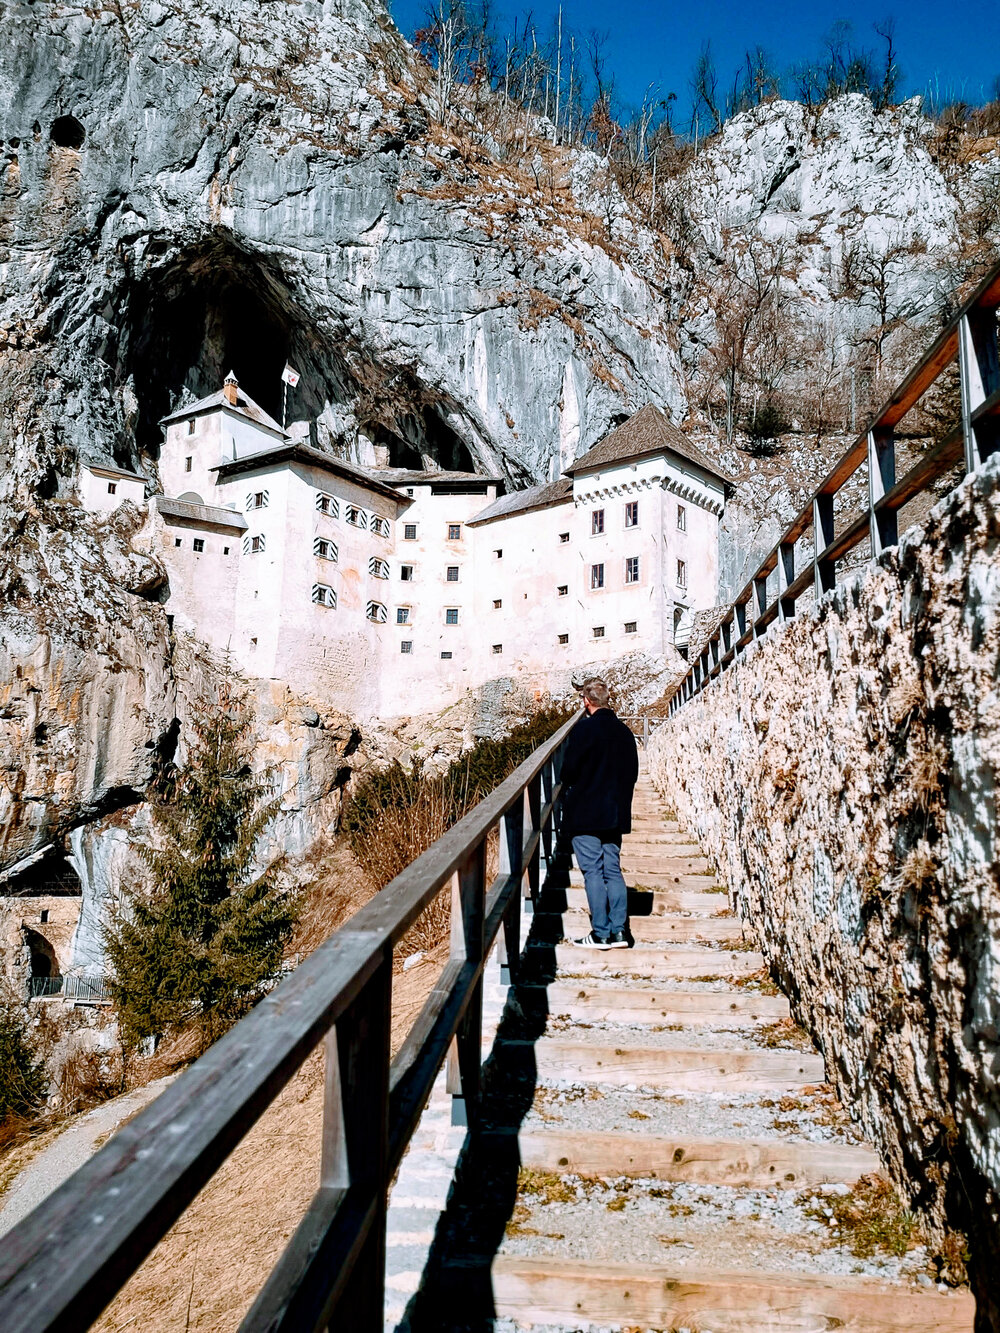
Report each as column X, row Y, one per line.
column 843, row 775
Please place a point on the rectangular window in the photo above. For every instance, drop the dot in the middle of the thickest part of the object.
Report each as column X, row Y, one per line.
column 682, row 574
column 356, row 517
column 187, row 463
column 446, row 657
column 564, row 638
column 257, row 500
column 327, row 504
column 191, row 425
column 402, row 615
column 225, row 550
column 112, row 487
column 199, row 543
column 632, row 569
column 564, row 537
column 451, row 615
column 562, row 590
column 377, row 612
column 406, row 645
column 596, row 522
column 498, row 554
column 409, row 532
column 43, row 915
column 177, row 541
column 597, row 576
column 631, row 627
column 406, row 573
column 498, row 648
column 454, row 532
column 497, row 603
column 453, row 573
column 682, row 519
column 255, row 545
column 632, row 514
column 323, row 595
column 598, row 631
column 380, row 526
column 378, row 568
column 325, row 548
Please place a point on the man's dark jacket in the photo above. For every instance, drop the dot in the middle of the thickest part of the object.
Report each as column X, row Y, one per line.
column 600, row 767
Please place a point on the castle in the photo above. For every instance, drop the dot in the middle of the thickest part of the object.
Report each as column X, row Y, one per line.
column 385, row 591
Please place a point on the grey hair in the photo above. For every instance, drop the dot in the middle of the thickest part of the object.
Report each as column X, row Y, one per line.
column 595, row 691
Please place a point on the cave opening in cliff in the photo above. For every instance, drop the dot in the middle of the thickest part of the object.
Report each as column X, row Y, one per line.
column 212, row 310
column 50, row 876
column 421, row 438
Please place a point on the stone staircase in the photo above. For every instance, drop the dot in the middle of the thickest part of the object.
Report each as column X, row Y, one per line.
column 659, row 1150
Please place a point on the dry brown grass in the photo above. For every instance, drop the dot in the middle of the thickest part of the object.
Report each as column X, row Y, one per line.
column 89, row 1077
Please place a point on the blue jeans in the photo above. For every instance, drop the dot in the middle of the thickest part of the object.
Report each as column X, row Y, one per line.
column 607, row 895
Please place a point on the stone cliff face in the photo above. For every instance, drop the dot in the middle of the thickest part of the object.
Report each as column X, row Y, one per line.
column 843, row 777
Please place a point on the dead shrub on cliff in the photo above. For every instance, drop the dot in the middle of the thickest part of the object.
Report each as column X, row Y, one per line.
column 89, row 1077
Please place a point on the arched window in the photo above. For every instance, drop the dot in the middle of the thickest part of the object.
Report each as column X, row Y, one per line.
column 324, row 595
column 377, row 612
column 325, row 549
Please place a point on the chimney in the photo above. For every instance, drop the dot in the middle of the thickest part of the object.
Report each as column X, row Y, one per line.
column 229, row 389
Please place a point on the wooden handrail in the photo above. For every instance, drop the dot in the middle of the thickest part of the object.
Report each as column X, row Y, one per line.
column 972, row 338
column 65, row 1261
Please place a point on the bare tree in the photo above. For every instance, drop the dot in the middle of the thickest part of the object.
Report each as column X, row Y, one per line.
column 705, row 90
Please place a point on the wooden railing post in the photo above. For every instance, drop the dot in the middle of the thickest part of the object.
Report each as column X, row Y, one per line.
column 979, row 372
column 468, row 900
column 881, row 479
column 355, row 1147
column 824, row 571
column 511, row 852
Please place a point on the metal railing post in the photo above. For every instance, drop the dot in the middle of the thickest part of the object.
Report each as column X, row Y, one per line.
column 786, row 577
column 979, row 372
column 760, row 604
column 468, row 900
column 511, row 852
column 824, row 571
column 881, row 479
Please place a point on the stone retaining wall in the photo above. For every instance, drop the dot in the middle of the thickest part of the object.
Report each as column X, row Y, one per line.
column 843, row 776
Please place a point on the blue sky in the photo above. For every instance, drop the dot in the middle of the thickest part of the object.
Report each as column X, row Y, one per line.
column 955, row 48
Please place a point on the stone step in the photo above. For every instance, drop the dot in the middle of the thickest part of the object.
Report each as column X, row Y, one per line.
column 755, row 1163
column 561, row 1058
column 666, row 961
column 594, row 1003
column 568, row 1291
column 678, row 928
column 655, row 902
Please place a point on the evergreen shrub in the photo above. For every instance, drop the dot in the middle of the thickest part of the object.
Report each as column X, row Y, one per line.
column 23, row 1083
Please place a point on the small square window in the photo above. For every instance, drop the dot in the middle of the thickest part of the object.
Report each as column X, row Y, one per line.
column 564, row 638
column 682, row 574
column 453, row 573
column 446, row 657
column 187, row 463
column 406, row 645
column 112, row 487
column 682, row 519
column 454, row 532
column 632, row 514
column 406, row 573
column 191, row 425
column 596, row 522
column 498, row 554
column 631, row 627
column 43, row 915
column 498, row 648
column 451, row 615
column 177, row 541
column 563, row 590
column 632, row 569
column 598, row 631
column 564, row 536
column 225, row 550
column 402, row 615
column 199, row 543
column 409, row 532
column 597, row 576
column 497, row 603
column 409, row 491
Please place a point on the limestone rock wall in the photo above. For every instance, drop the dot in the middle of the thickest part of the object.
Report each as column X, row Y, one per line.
column 843, row 776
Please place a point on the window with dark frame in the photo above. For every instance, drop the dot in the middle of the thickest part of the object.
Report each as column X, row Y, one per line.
column 564, row 536
column 409, row 532
column 454, row 532
column 498, row 554
column 682, row 521
column 402, row 615
column 632, row 514
column 327, row 504
column 632, row 569
column 497, row 603
column 682, row 574
column 446, row 656
column 452, row 574
column 631, row 627
column 190, row 425
column 325, row 549
column 564, row 638
column 598, row 631
column 377, row 612
column 597, row 576
column 406, row 645
column 562, row 590
column 406, row 573
column 498, row 648
column 199, row 543
column 187, row 463
column 323, row 595
column 596, row 522
column 112, row 487
column 177, row 541
column 451, row 615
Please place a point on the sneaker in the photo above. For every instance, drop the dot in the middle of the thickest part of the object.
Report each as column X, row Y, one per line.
column 591, row 941
column 618, row 939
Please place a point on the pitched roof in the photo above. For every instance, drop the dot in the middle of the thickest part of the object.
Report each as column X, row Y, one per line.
column 402, row 476
column 245, row 407
column 649, row 431
column 532, row 497
column 296, row 452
